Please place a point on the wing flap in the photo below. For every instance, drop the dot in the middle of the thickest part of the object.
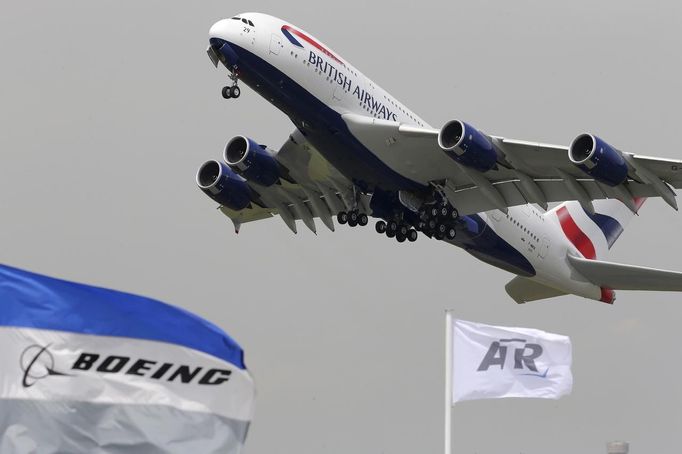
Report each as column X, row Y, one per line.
column 670, row 170
column 618, row 276
column 255, row 213
column 468, row 199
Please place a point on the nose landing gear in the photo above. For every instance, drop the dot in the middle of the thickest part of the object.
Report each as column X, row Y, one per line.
column 232, row 91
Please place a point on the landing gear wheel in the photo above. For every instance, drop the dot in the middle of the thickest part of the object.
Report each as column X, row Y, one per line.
column 351, row 222
column 451, row 233
column 342, row 217
column 444, row 211
column 439, row 236
column 392, row 227
column 363, row 219
column 412, row 235
column 353, row 217
column 226, row 93
column 454, row 214
column 400, row 237
column 235, row 92
column 402, row 230
column 390, row 233
column 434, row 212
column 432, row 224
column 380, row 227
column 442, row 228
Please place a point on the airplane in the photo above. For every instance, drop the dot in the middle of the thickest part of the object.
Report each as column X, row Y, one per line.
column 357, row 152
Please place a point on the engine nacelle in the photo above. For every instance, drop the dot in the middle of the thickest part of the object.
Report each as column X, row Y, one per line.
column 463, row 143
column 254, row 162
column 224, row 186
column 598, row 159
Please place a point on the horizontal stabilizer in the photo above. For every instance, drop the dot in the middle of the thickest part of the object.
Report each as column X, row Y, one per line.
column 523, row 290
column 618, row 276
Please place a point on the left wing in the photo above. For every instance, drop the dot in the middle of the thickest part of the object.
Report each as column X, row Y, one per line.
column 313, row 189
column 524, row 172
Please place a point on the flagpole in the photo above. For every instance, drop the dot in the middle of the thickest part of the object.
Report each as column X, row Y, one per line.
column 448, row 382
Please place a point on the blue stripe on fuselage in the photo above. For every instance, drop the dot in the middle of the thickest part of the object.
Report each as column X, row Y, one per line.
column 323, row 127
column 478, row 239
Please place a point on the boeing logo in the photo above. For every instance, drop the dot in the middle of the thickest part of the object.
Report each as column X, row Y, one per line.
column 37, row 363
column 525, row 355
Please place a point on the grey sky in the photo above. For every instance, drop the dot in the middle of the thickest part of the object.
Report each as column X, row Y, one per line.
column 108, row 108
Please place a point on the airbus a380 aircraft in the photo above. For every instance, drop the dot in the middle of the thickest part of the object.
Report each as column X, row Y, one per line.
column 358, row 152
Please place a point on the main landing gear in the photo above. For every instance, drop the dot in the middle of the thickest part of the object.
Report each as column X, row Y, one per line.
column 352, row 218
column 438, row 221
column 399, row 231
column 232, row 91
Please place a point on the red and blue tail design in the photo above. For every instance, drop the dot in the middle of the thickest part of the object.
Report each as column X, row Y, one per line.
column 593, row 234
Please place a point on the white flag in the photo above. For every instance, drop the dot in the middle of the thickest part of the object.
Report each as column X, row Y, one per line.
column 495, row 361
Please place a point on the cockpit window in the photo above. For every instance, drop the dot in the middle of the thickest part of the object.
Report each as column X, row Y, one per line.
column 246, row 21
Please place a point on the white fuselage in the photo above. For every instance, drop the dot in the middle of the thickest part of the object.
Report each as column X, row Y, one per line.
column 306, row 66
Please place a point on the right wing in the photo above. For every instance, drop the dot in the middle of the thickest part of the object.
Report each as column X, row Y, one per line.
column 527, row 172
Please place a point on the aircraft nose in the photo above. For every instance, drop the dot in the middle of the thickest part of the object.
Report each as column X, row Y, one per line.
column 220, row 30
column 220, row 36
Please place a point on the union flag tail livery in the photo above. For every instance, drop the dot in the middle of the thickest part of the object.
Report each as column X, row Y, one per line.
column 357, row 152
column 590, row 232
column 594, row 233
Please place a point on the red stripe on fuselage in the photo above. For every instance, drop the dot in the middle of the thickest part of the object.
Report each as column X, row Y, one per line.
column 576, row 236
column 312, row 42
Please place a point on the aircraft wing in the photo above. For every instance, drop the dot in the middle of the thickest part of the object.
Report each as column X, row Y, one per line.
column 620, row 276
column 526, row 172
column 313, row 189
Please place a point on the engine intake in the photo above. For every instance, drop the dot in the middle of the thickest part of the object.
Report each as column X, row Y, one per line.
column 466, row 145
column 598, row 159
column 224, row 186
column 251, row 160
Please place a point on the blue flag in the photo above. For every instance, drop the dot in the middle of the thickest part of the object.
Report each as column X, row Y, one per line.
column 88, row 369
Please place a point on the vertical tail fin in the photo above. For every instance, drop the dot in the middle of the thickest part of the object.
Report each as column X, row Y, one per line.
column 593, row 234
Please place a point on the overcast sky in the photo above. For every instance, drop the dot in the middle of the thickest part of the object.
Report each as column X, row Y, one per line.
column 107, row 109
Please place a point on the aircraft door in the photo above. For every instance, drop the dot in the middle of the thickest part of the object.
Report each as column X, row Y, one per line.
column 275, row 44
column 544, row 247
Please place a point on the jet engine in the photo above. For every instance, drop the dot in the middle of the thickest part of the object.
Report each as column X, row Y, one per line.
column 252, row 161
column 598, row 159
column 463, row 143
column 224, row 186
